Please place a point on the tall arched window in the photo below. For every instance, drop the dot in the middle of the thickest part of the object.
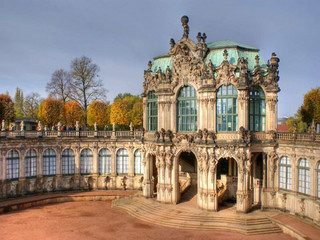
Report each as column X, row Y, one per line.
column 285, row 178
column 86, row 161
column 318, row 176
column 152, row 112
column 227, row 109
column 187, row 110
column 138, row 167
column 68, row 161
column 257, row 110
column 104, row 161
column 49, row 162
column 122, row 160
column 304, row 176
column 31, row 163
column 12, row 165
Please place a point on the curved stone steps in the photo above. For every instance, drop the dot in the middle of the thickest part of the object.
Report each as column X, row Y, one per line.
column 161, row 214
column 160, row 210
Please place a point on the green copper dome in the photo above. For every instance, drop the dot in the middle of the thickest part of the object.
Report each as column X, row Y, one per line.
column 235, row 51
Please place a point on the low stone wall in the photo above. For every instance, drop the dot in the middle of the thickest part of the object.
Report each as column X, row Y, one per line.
column 52, row 198
column 11, row 189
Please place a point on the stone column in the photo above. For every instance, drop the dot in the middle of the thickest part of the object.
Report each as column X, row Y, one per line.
column 175, row 180
column 243, row 108
column 95, row 167
column 271, row 111
column 76, row 168
column 131, row 162
column 22, row 165
column 147, row 188
column 145, row 113
column 40, row 163
column 174, row 116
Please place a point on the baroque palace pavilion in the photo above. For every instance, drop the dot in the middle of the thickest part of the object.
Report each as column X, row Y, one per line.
column 210, row 121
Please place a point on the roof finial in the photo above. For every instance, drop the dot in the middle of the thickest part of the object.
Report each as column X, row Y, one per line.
column 184, row 21
column 225, row 54
column 257, row 58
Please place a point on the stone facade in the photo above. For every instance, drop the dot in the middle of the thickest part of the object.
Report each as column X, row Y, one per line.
column 223, row 159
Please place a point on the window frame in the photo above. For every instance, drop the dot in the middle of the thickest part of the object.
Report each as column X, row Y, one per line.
column 226, row 95
column 49, row 162
column 31, row 163
column 138, row 165
column 285, row 168
column 122, row 161
column 257, row 103
column 304, row 172
column 152, row 111
column 86, row 161
column 187, row 110
column 12, row 165
column 104, row 161
column 68, row 162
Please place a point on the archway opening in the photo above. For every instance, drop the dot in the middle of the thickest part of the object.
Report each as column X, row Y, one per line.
column 227, row 182
column 188, row 177
column 257, row 180
column 154, row 176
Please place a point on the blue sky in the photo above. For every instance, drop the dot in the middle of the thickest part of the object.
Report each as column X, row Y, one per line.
column 39, row 37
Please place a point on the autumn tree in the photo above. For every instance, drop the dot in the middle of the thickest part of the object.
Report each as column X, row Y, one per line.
column 86, row 85
column 18, row 103
column 310, row 110
column 51, row 111
column 98, row 112
column 6, row 108
column 73, row 112
column 31, row 105
column 137, row 114
column 120, row 113
column 59, row 86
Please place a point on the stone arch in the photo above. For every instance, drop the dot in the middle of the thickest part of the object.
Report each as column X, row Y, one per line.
column 178, row 88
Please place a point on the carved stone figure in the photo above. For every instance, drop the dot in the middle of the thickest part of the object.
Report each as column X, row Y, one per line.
column 184, row 21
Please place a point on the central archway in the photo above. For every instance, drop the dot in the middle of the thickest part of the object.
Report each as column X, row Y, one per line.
column 188, row 181
column 227, row 182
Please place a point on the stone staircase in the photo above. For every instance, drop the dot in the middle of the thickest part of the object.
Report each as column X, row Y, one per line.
column 192, row 218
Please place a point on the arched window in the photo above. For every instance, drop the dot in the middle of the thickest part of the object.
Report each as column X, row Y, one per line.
column 12, row 164
column 122, row 160
column 304, row 176
column 104, row 161
column 138, row 167
column 187, row 110
column 318, row 176
column 227, row 109
column 49, row 162
column 285, row 178
column 86, row 161
column 68, row 161
column 31, row 163
column 257, row 110
column 152, row 112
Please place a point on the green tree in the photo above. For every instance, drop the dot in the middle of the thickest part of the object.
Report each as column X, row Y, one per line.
column 18, row 103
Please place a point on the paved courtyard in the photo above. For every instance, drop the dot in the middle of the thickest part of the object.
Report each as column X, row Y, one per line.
column 96, row 220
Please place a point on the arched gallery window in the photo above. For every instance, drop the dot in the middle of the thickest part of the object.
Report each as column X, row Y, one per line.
column 304, row 176
column 104, row 161
column 152, row 111
column 227, row 109
column 318, row 177
column 257, row 110
column 187, row 110
column 86, row 161
column 49, row 162
column 68, row 161
column 12, row 161
column 122, row 160
column 138, row 168
column 285, row 177
column 31, row 163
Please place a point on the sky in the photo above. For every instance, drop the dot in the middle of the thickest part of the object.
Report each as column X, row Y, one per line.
column 38, row 37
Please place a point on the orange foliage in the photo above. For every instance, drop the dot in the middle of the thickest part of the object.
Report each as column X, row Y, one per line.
column 51, row 111
column 98, row 112
column 120, row 113
column 6, row 108
column 73, row 112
